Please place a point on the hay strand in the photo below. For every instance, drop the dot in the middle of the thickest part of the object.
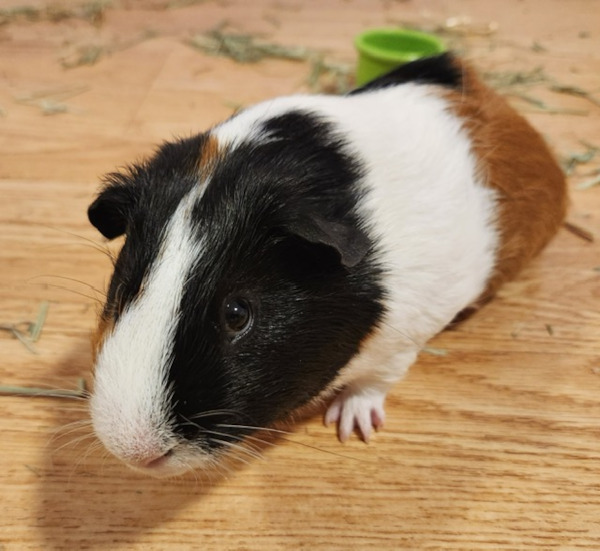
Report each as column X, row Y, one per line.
column 79, row 393
column 435, row 351
column 92, row 12
column 575, row 91
column 28, row 332
column 573, row 160
column 587, row 184
column 577, row 230
column 245, row 48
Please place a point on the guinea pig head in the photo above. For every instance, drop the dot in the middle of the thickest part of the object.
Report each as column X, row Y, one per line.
column 245, row 283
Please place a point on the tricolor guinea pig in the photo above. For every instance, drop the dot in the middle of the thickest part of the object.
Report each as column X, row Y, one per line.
column 306, row 249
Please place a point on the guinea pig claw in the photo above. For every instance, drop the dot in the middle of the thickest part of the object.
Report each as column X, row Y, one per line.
column 362, row 411
column 377, row 418
column 333, row 413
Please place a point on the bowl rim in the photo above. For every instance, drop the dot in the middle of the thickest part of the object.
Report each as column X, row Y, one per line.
column 362, row 45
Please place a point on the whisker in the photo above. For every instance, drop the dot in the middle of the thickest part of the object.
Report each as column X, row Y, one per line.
column 70, row 279
column 250, row 451
column 232, row 446
column 254, row 453
column 218, row 470
column 197, row 480
column 316, row 448
column 106, row 456
column 260, row 441
column 92, row 447
column 61, row 287
column 106, row 252
column 244, row 441
column 74, row 442
column 250, row 427
column 214, row 413
column 98, row 246
column 70, row 428
column 190, row 422
column 72, row 423
column 280, row 434
column 404, row 335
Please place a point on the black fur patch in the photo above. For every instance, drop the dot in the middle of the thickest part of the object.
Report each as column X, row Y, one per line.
column 310, row 311
column 139, row 202
column 441, row 70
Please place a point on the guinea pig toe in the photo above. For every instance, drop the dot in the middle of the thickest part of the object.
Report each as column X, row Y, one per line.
column 361, row 411
column 333, row 412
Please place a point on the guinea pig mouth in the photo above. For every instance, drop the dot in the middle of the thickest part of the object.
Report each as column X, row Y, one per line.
column 161, row 467
column 174, row 462
column 156, row 462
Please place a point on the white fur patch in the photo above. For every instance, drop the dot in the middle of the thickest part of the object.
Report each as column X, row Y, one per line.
column 130, row 405
column 246, row 126
column 431, row 215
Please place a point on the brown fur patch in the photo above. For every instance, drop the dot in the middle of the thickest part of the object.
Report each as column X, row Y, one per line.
column 209, row 154
column 105, row 327
column 515, row 161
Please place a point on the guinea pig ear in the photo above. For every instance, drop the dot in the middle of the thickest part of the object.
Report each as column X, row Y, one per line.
column 348, row 241
column 110, row 211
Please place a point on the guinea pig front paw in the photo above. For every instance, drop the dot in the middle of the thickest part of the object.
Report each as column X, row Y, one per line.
column 360, row 409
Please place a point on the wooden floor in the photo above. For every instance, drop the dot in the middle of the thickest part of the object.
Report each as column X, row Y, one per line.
column 493, row 439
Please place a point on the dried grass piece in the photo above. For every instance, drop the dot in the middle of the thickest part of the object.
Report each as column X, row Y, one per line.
column 245, row 48
column 235, row 106
column 36, row 328
column 28, row 332
column 573, row 160
column 85, row 55
column 51, row 107
column 329, row 77
column 463, row 25
column 325, row 76
column 90, row 54
column 575, row 91
column 15, row 331
column 542, row 106
column 93, row 12
column 506, row 79
column 435, row 351
column 517, row 328
column 589, row 183
column 175, row 4
column 79, row 394
column 577, row 230
column 27, row 13
column 35, row 471
column 49, row 101
column 538, row 47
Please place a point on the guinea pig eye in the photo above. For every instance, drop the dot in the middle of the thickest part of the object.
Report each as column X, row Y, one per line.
column 237, row 315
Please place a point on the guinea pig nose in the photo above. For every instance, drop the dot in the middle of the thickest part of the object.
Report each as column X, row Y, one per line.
column 156, row 461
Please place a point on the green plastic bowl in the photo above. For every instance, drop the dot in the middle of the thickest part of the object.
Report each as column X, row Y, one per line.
column 381, row 50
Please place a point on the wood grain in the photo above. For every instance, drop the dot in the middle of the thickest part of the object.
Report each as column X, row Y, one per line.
column 495, row 444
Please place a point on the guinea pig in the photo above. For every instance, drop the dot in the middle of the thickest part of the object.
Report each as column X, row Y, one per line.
column 306, row 249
